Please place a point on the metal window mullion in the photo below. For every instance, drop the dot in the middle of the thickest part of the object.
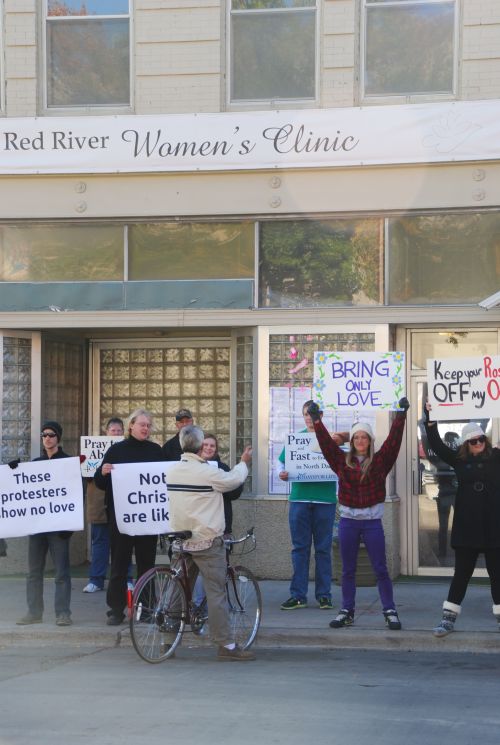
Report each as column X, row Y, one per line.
column 125, row 253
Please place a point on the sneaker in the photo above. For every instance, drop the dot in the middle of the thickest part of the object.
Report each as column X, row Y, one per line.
column 237, row 654
column 28, row 620
column 64, row 620
column 293, row 604
column 344, row 618
column 325, row 603
column 392, row 620
column 115, row 620
column 92, row 588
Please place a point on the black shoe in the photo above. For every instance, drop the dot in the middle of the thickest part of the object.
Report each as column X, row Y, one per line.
column 114, row 620
column 344, row 618
column 392, row 620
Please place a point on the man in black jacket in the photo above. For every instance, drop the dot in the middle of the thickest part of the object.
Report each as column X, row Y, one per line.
column 55, row 542
column 172, row 448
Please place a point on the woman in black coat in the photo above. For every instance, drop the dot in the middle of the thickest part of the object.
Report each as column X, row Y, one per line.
column 476, row 518
column 210, row 452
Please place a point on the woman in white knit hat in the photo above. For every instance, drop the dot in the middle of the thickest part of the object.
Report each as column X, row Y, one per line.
column 476, row 517
column 362, row 474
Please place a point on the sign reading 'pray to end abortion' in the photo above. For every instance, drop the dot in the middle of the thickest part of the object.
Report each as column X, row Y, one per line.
column 359, row 380
column 465, row 387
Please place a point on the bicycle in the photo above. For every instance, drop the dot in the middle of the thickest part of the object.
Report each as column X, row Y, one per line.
column 162, row 603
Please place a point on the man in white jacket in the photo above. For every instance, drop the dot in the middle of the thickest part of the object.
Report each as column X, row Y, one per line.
column 195, row 491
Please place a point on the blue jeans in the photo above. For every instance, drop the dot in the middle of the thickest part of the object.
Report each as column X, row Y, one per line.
column 311, row 521
column 371, row 532
column 38, row 547
column 99, row 533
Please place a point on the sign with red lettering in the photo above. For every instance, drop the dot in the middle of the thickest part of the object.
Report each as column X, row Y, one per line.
column 464, row 388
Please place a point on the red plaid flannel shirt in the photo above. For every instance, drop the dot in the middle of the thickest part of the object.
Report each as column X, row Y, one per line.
column 352, row 491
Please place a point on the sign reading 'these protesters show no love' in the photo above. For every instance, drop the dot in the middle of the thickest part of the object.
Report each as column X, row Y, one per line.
column 39, row 497
column 464, row 388
column 140, row 497
column 359, row 380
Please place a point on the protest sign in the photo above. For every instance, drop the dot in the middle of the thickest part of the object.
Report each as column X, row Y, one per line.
column 304, row 460
column 41, row 497
column 465, row 387
column 141, row 498
column 93, row 448
column 359, row 380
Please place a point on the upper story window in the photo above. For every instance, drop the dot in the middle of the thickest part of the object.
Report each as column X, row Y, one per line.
column 87, row 53
column 409, row 48
column 273, row 50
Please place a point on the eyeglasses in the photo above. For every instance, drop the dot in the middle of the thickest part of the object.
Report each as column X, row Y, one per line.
column 477, row 440
column 48, row 434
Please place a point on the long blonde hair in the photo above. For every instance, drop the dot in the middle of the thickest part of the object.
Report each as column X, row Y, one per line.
column 352, row 460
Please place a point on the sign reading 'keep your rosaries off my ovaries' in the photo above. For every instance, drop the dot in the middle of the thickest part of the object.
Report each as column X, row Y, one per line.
column 464, row 388
column 359, row 381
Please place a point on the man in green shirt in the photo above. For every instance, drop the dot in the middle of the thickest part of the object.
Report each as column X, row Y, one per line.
column 311, row 517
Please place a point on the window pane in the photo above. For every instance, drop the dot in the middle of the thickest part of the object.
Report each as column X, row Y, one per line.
column 88, row 63
column 409, row 49
column 444, row 258
column 87, row 7
column 48, row 253
column 265, row 4
column 312, row 263
column 439, row 344
column 191, row 251
column 273, row 55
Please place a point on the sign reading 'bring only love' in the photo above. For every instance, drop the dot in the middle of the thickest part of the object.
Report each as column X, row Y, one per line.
column 465, row 387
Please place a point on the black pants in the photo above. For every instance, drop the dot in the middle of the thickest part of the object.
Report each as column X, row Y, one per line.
column 465, row 562
column 122, row 547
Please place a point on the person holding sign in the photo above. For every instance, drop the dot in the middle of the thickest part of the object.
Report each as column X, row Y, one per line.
column 362, row 473
column 135, row 448
column 56, row 543
column 311, row 517
column 476, row 518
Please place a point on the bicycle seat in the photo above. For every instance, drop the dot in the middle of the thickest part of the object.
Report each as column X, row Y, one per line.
column 181, row 535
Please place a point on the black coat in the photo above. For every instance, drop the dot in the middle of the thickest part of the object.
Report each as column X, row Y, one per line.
column 476, row 517
column 228, row 497
column 172, row 448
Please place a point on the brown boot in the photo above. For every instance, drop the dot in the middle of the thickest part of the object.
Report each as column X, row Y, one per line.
column 237, row 654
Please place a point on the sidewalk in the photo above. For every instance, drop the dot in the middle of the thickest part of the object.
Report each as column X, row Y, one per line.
column 419, row 605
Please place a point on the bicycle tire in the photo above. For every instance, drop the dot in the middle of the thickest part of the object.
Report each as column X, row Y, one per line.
column 158, row 617
column 245, row 605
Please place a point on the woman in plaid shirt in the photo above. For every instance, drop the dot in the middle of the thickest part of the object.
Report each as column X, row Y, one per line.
column 362, row 474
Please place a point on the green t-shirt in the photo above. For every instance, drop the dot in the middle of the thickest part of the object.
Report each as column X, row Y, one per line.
column 311, row 491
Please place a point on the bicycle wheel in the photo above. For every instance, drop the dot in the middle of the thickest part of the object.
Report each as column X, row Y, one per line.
column 159, row 612
column 245, row 605
column 198, row 616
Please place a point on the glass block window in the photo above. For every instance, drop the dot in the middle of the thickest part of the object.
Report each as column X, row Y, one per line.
column 87, row 53
column 409, row 47
column 164, row 379
column 244, row 398
column 62, row 369
column 307, row 263
column 16, row 399
column 273, row 50
column 444, row 259
column 291, row 369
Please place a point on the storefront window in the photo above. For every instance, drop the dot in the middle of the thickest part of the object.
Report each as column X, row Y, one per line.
column 443, row 259
column 15, row 415
column 291, row 369
column 63, row 369
column 311, row 263
column 244, row 398
column 191, row 251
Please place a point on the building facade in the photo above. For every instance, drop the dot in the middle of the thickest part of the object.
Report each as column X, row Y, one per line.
column 196, row 196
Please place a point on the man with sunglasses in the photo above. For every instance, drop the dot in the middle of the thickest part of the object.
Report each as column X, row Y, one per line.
column 57, row 543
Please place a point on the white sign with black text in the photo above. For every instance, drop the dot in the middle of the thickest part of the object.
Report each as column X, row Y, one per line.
column 140, row 497
column 304, row 460
column 93, row 449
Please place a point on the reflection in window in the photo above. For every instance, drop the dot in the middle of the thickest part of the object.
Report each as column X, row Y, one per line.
column 191, row 251
column 409, row 47
column 88, row 53
column 329, row 262
column 443, row 259
column 50, row 253
column 273, row 49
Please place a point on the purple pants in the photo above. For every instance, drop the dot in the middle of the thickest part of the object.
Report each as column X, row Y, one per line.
column 371, row 532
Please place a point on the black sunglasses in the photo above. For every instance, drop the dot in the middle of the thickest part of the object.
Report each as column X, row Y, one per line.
column 477, row 440
column 48, row 434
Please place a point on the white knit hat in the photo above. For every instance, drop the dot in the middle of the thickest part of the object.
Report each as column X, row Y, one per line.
column 470, row 431
column 361, row 427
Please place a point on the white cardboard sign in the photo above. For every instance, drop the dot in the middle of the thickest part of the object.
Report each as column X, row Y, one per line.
column 93, row 448
column 464, row 387
column 141, row 498
column 41, row 497
column 304, row 460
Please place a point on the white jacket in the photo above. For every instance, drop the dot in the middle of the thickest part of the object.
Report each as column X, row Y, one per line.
column 195, row 494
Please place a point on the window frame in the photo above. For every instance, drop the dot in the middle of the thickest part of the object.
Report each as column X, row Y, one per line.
column 401, row 98
column 272, row 103
column 82, row 109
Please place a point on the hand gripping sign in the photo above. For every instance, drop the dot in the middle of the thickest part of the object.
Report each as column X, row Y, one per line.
column 41, row 497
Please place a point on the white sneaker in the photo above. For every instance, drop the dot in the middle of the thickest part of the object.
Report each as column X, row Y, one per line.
column 92, row 588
